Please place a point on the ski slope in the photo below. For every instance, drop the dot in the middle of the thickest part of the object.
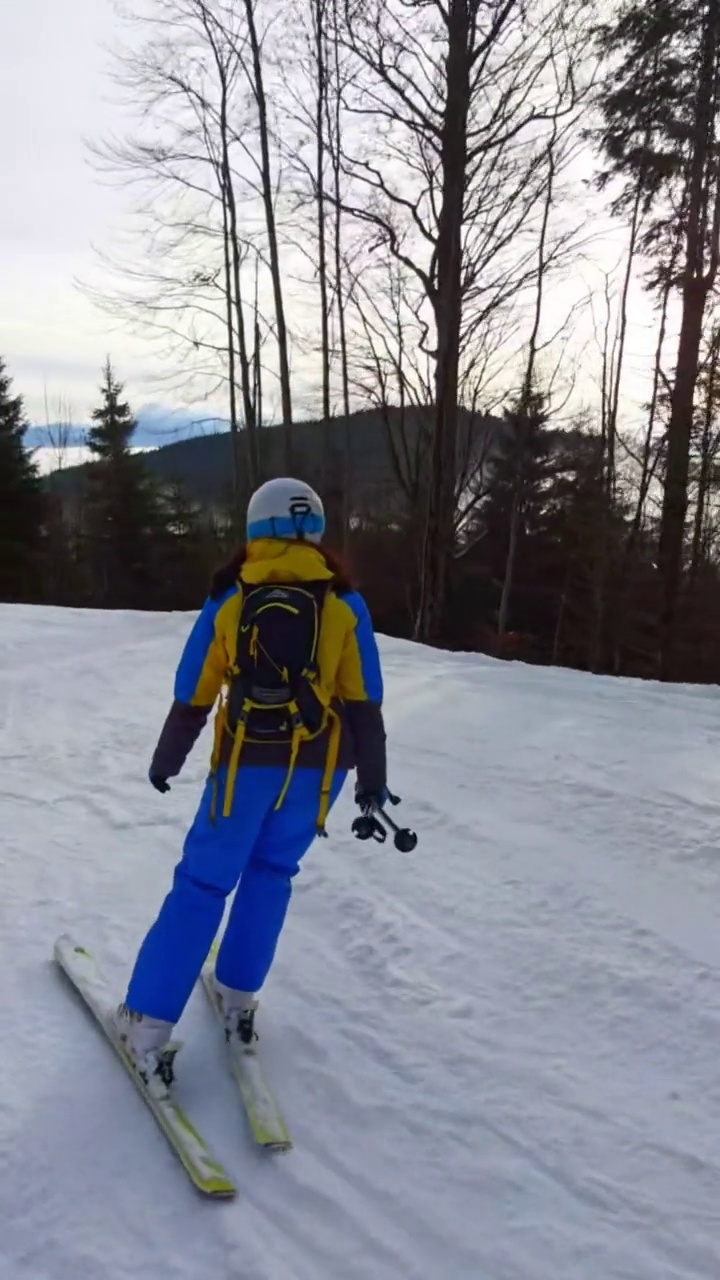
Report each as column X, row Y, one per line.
column 499, row 1056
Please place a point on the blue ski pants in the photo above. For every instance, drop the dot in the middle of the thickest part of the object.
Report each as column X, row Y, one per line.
column 259, row 847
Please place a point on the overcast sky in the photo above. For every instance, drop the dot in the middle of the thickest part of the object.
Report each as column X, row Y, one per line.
column 54, row 91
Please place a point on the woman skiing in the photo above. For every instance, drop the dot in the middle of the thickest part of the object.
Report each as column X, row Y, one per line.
column 290, row 648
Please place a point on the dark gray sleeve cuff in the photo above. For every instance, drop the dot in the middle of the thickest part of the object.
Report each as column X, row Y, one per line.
column 179, row 734
column 368, row 730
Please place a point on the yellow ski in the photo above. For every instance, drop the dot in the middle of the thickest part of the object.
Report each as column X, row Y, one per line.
column 205, row 1172
column 267, row 1125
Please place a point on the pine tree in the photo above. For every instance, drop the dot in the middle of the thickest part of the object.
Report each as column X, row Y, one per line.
column 21, row 503
column 188, row 548
column 115, row 426
column 123, row 520
column 660, row 103
column 519, row 477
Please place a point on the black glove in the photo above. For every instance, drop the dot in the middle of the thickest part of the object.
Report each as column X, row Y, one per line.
column 160, row 784
column 369, row 801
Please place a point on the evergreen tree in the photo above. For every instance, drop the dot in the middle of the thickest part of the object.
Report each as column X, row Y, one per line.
column 519, row 477
column 189, row 548
column 123, row 520
column 520, row 467
column 577, row 526
column 21, row 503
column 115, row 426
column 660, row 105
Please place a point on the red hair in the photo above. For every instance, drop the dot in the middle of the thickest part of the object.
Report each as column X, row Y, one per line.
column 225, row 577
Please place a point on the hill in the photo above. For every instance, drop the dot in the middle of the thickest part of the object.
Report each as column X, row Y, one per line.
column 326, row 452
column 498, row 1055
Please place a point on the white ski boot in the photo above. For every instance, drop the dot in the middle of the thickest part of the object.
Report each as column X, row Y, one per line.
column 239, row 1009
column 146, row 1042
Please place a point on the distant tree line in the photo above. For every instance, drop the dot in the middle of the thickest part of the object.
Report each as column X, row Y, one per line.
column 550, row 563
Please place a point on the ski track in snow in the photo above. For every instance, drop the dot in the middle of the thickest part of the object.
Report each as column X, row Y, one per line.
column 498, row 1055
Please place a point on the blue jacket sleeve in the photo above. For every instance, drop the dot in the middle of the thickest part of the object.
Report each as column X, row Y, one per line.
column 203, row 664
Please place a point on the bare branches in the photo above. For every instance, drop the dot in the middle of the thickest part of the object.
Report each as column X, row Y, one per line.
column 463, row 101
column 385, row 165
column 200, row 159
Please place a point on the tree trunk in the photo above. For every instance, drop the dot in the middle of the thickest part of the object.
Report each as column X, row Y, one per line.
column 273, row 250
column 231, row 226
column 334, row 134
column 318, row 17
column 648, row 467
column 515, row 522
column 234, row 431
column 612, row 426
column 557, row 638
column 518, row 505
column 257, row 368
column 675, row 497
column 705, row 460
column 440, row 531
column 703, row 224
column 607, row 596
column 245, row 386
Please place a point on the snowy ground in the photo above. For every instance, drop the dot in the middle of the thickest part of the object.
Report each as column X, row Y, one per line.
column 500, row 1056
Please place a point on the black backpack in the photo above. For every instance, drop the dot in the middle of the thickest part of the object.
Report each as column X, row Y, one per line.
column 273, row 691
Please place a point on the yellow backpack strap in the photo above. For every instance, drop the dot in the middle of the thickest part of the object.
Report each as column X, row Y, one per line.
column 235, row 757
column 221, row 725
column 297, row 737
column 218, row 732
column 331, row 760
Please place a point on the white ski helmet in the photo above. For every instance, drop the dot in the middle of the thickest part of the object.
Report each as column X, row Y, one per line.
column 286, row 509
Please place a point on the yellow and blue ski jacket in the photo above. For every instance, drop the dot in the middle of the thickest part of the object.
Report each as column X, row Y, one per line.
column 349, row 679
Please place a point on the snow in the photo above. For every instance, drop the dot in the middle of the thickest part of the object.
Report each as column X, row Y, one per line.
column 59, row 457
column 498, row 1055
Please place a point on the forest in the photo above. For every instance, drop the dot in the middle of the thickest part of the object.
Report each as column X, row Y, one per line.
column 377, row 232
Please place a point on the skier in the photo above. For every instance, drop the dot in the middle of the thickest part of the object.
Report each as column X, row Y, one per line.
column 289, row 647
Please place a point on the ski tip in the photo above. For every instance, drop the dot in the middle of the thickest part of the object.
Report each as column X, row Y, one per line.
column 66, row 943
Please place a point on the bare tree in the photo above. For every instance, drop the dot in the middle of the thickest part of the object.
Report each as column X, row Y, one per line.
column 256, row 79
column 388, row 371
column 313, row 70
column 60, row 432
column 702, row 258
column 201, row 159
column 186, row 281
column 528, row 396
column 457, row 96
